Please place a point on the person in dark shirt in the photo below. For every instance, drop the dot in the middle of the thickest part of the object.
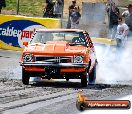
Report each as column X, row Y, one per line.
column 2, row 4
column 75, row 18
column 114, row 14
column 71, row 8
column 128, row 19
column 48, row 10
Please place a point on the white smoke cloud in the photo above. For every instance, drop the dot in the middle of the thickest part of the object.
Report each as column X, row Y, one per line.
column 114, row 66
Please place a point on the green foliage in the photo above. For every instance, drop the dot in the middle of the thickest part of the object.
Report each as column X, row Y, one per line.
column 124, row 2
column 11, row 4
column 35, row 7
column 26, row 7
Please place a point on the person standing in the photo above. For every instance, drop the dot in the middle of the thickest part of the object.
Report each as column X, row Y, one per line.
column 128, row 18
column 48, row 10
column 75, row 18
column 58, row 8
column 122, row 32
column 2, row 4
column 127, row 12
column 71, row 8
column 113, row 13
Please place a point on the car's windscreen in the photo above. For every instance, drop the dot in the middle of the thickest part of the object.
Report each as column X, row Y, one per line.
column 71, row 37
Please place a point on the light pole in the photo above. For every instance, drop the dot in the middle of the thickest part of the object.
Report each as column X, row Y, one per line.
column 109, row 15
column 17, row 7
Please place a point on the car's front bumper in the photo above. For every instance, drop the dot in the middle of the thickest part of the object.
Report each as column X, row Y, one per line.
column 58, row 65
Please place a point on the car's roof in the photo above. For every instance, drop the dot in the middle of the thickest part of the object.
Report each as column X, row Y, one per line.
column 62, row 30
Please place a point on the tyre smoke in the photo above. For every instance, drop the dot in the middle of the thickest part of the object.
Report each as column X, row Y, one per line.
column 114, row 66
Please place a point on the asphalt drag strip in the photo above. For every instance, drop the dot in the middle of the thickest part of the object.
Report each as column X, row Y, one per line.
column 57, row 97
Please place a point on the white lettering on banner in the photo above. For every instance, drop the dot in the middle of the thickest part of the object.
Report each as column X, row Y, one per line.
column 15, row 33
column 10, row 32
column 22, row 35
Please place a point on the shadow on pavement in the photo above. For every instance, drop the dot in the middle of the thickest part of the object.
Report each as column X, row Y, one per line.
column 65, row 84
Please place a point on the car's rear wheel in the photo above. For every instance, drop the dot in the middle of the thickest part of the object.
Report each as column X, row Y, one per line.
column 92, row 76
column 84, row 79
column 25, row 77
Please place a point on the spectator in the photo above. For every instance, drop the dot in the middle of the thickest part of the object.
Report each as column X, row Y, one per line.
column 2, row 4
column 128, row 18
column 75, row 18
column 128, row 11
column 58, row 8
column 122, row 32
column 114, row 14
column 48, row 10
column 71, row 7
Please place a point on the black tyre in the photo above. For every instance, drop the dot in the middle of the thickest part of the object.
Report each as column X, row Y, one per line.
column 25, row 77
column 92, row 77
column 80, row 106
column 67, row 79
column 84, row 79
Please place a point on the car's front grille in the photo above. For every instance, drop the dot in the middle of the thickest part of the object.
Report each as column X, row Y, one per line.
column 54, row 59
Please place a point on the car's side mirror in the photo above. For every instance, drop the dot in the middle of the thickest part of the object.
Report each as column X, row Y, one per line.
column 25, row 43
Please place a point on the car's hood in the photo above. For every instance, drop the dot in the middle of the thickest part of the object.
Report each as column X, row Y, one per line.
column 58, row 47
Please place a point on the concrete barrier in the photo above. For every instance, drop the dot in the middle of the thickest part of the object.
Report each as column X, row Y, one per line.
column 106, row 41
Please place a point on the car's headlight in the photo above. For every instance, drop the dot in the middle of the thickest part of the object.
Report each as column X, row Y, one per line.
column 78, row 59
column 28, row 57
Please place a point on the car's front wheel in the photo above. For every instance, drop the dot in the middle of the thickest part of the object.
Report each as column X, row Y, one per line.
column 84, row 79
column 92, row 76
column 67, row 79
column 25, row 77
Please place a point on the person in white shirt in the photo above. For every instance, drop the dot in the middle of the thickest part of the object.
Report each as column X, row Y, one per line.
column 127, row 12
column 122, row 32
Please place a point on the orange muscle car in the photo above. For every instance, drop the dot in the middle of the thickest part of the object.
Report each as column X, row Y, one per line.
column 59, row 54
